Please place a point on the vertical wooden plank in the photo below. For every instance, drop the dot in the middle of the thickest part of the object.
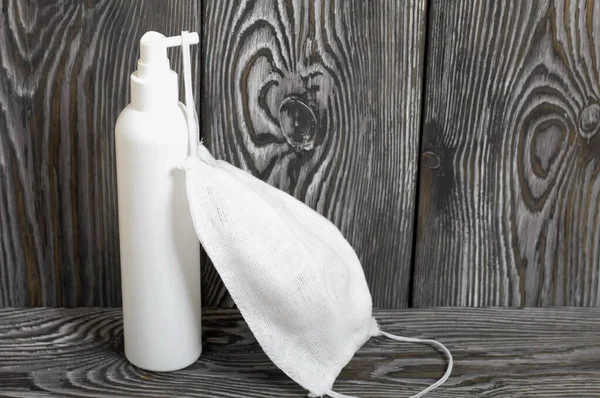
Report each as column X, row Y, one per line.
column 509, row 199
column 322, row 99
column 64, row 78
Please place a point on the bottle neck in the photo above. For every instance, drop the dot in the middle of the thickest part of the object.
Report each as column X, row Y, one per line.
column 154, row 92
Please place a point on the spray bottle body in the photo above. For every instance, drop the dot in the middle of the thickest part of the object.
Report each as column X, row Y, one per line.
column 160, row 269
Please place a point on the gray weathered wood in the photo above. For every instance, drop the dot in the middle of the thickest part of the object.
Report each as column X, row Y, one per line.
column 321, row 99
column 64, row 78
column 497, row 352
column 509, row 210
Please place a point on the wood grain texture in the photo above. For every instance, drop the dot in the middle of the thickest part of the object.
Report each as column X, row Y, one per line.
column 509, row 210
column 497, row 352
column 64, row 78
column 321, row 99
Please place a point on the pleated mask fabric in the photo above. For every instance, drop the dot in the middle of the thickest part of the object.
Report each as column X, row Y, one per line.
column 295, row 279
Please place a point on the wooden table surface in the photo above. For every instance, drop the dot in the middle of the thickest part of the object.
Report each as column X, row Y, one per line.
column 498, row 353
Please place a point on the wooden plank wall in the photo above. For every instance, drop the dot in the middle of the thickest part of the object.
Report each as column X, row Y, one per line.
column 64, row 72
column 322, row 100
column 509, row 208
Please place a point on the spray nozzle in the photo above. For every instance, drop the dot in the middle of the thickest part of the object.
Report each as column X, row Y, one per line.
column 153, row 51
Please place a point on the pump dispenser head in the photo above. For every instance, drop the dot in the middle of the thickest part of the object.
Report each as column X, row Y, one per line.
column 153, row 51
column 154, row 84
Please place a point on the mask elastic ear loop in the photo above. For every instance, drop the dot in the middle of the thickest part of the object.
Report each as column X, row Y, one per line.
column 192, row 118
column 434, row 343
column 437, row 345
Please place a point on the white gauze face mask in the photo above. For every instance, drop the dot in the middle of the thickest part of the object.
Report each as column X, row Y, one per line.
column 297, row 282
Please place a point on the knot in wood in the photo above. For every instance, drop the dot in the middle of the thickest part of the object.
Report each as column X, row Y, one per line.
column 298, row 123
column 431, row 160
column 589, row 120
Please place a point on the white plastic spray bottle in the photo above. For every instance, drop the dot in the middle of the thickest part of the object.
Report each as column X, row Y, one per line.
column 160, row 260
